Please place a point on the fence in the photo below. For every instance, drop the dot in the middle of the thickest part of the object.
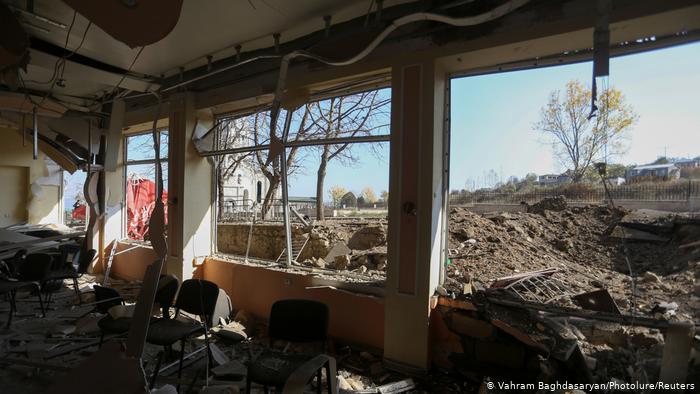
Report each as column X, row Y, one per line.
column 245, row 210
column 667, row 191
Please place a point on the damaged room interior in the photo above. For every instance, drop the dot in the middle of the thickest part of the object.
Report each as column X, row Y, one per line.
column 367, row 196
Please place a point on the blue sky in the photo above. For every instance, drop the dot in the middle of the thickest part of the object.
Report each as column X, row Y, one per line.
column 492, row 117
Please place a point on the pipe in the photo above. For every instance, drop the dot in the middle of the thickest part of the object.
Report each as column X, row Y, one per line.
column 300, row 143
column 418, row 17
column 36, row 134
column 285, row 190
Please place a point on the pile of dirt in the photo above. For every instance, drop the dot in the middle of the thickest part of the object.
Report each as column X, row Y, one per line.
column 578, row 242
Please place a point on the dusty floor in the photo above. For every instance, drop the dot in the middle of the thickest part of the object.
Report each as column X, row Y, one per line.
column 68, row 326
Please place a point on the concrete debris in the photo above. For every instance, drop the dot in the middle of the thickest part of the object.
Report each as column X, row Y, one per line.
column 233, row 331
column 341, row 262
column 368, row 237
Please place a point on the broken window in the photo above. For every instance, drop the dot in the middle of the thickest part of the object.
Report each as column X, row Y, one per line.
column 140, row 181
column 336, row 159
column 74, row 206
column 554, row 208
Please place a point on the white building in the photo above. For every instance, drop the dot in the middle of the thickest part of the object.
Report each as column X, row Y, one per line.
column 247, row 186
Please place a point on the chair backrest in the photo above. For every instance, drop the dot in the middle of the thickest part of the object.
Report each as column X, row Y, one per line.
column 106, row 297
column 36, row 266
column 299, row 321
column 11, row 264
column 165, row 295
column 198, row 297
column 69, row 250
column 84, row 259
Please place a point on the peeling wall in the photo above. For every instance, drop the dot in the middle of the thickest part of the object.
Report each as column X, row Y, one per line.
column 37, row 182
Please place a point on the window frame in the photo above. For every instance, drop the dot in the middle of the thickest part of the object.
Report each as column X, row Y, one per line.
column 125, row 172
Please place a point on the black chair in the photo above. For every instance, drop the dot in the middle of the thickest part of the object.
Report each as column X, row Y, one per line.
column 197, row 297
column 106, row 297
column 74, row 270
column 302, row 321
column 30, row 272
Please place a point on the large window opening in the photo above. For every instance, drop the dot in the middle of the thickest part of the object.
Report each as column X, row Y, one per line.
column 336, row 159
column 141, row 181
column 554, row 207
column 74, row 206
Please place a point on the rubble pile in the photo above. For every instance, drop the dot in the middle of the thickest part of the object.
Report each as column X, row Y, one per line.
column 581, row 243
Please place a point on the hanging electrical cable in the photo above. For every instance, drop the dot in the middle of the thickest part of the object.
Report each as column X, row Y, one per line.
column 495, row 13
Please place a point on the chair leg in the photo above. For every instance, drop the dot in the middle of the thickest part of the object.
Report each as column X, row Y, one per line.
column 182, row 357
column 13, row 307
column 330, row 379
column 209, row 353
column 41, row 303
column 319, row 384
column 156, row 370
column 77, row 291
column 247, row 383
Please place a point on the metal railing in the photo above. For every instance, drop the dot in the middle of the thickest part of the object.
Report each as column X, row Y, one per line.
column 663, row 191
column 247, row 210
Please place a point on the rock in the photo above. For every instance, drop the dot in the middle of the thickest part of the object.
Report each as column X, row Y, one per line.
column 319, row 262
column 645, row 338
column 341, row 262
column 361, row 269
column 343, row 384
column 367, row 238
column 338, row 249
column 355, row 384
column 650, row 277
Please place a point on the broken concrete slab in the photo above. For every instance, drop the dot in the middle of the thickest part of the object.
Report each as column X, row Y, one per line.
column 598, row 300
column 338, row 249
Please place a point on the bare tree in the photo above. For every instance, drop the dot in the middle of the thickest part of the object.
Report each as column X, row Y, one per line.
column 577, row 138
column 273, row 171
column 347, row 116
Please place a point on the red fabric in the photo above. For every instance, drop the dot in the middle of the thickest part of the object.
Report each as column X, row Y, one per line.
column 140, row 201
column 78, row 213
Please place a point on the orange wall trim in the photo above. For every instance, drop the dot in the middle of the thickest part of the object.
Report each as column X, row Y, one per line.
column 353, row 317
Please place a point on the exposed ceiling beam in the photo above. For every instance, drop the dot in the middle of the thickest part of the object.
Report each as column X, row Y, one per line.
column 42, row 65
column 541, row 19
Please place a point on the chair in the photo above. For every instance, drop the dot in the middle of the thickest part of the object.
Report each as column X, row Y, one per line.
column 302, row 321
column 106, row 297
column 197, row 297
column 75, row 270
column 31, row 271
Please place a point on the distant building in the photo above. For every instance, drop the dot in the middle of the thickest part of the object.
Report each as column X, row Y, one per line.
column 553, row 179
column 665, row 171
column 688, row 163
column 302, row 202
